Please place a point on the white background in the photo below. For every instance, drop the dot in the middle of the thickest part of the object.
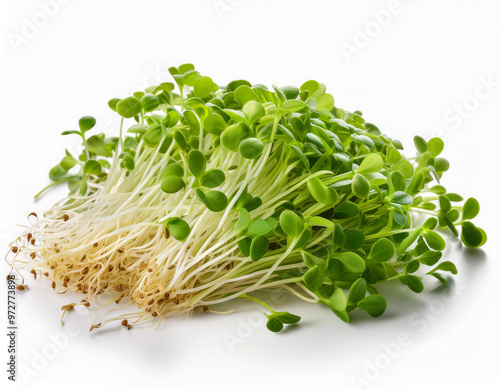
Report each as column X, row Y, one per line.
column 417, row 66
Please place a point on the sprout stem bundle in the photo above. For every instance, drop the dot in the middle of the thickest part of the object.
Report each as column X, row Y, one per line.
column 216, row 193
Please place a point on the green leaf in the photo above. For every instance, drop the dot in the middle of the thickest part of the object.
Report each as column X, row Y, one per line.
column 352, row 262
column 360, row 186
column 470, row 209
column 290, row 92
column 273, row 223
column 345, row 210
column 400, row 218
column 435, row 146
column 173, row 169
column 235, row 115
column 420, row 144
column 153, row 135
column 190, row 77
column 412, row 266
column 233, row 85
column 213, row 178
column 483, row 235
column 321, row 193
column 382, row 250
column 374, row 305
column 412, row 282
column 274, row 325
column 357, row 291
column 402, row 198
column 71, row 132
column 112, row 103
column 258, row 248
column 232, row 136
column 291, row 223
column 259, row 227
column 337, row 301
column 254, row 203
column 58, row 173
column 215, row 201
column 438, row 189
column 404, row 167
column 138, row 95
column 243, row 221
column 392, row 155
column 167, row 142
column 301, row 156
column 371, row 163
column 338, row 236
column 310, row 260
column 314, row 278
column 149, row 102
column 138, row 128
column 196, row 163
column 376, row 179
column 454, row 197
column 430, row 258
column 441, row 165
column 68, row 161
column 185, row 68
column 86, row 123
column 83, row 188
column 203, row 86
column 178, row 228
column 279, row 93
column 287, row 318
column 320, row 222
column 398, row 181
column 354, row 239
column 92, row 167
column 445, row 266
column 341, row 157
column 253, row 111
column 445, row 219
column 214, row 124
column 191, row 118
column 342, row 315
column 434, row 240
column 243, row 94
column 444, row 204
column 471, row 235
column 430, row 223
column 244, row 246
column 420, row 248
column 251, row 148
column 172, row 184
column 127, row 162
column 129, row 107
column 310, row 86
column 409, row 240
column 293, row 105
column 326, row 102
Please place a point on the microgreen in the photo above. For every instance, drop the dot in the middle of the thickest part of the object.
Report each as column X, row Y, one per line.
column 212, row 192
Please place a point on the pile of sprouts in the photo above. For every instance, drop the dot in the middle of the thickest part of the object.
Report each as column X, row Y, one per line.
column 212, row 193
